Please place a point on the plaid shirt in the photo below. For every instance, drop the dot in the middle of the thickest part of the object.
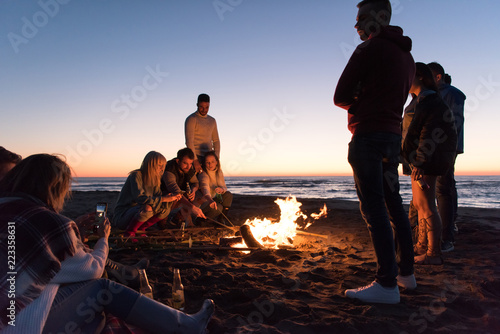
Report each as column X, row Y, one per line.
column 34, row 240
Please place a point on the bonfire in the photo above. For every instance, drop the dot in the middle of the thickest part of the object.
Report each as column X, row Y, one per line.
column 276, row 234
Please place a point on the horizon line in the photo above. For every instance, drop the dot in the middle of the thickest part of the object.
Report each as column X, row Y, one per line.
column 490, row 173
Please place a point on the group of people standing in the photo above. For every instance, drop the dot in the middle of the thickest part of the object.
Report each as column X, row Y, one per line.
column 191, row 184
column 373, row 88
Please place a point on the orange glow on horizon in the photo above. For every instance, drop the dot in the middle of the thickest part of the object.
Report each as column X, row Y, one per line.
column 478, row 173
column 461, row 173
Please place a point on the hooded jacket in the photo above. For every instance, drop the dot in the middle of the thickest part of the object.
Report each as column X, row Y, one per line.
column 375, row 83
column 430, row 142
column 455, row 99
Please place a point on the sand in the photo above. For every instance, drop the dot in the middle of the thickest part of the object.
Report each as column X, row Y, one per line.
column 301, row 290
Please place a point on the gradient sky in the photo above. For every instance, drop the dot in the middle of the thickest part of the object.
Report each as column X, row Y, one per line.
column 105, row 81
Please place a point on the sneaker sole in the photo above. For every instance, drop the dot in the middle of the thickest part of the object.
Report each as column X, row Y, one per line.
column 412, row 287
column 374, row 300
column 448, row 249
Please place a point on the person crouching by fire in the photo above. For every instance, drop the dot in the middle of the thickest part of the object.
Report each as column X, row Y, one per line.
column 179, row 178
column 141, row 203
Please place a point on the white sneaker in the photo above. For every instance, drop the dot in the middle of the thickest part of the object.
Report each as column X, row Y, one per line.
column 375, row 293
column 407, row 282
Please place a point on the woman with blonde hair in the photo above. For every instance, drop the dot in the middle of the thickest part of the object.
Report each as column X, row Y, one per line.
column 141, row 203
column 57, row 278
column 213, row 187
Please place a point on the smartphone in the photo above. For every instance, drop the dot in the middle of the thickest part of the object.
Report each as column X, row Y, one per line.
column 101, row 210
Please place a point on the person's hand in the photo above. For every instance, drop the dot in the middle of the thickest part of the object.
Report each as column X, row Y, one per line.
column 212, row 204
column 104, row 229
column 197, row 212
column 85, row 224
column 219, row 190
column 417, row 173
column 210, row 200
column 86, row 220
column 171, row 197
column 190, row 196
column 197, row 166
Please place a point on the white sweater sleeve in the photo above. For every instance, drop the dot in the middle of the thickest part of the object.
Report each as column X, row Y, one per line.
column 189, row 133
column 83, row 266
column 215, row 140
column 80, row 267
column 204, row 184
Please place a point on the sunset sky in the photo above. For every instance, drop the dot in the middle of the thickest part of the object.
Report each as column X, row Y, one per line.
column 103, row 82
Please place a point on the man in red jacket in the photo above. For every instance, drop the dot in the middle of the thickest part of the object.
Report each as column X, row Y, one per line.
column 373, row 89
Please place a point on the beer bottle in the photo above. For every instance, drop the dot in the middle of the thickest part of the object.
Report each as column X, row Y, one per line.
column 177, row 291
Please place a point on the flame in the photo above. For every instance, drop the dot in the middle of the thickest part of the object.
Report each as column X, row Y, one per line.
column 321, row 213
column 315, row 216
column 272, row 234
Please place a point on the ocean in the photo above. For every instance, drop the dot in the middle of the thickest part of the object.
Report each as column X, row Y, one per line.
column 473, row 191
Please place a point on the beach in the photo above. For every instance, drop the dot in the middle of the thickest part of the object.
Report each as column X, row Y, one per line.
column 301, row 289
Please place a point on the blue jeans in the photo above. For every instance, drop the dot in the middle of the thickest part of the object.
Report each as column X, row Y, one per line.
column 374, row 158
column 80, row 305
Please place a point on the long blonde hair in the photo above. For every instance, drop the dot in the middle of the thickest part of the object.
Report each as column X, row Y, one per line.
column 44, row 176
column 149, row 170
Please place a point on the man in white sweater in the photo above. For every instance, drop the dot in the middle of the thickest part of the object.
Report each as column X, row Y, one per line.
column 200, row 131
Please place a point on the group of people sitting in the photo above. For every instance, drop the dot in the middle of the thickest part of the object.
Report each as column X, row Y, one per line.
column 53, row 282
column 160, row 190
column 191, row 184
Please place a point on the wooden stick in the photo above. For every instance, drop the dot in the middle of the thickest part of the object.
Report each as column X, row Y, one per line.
column 195, row 248
column 223, row 215
column 234, row 228
column 311, row 234
column 117, row 233
column 247, row 235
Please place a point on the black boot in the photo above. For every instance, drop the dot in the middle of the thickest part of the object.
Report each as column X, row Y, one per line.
column 142, row 264
column 132, row 276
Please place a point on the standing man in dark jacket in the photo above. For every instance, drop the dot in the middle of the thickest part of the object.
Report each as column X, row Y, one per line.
column 446, row 191
column 373, row 89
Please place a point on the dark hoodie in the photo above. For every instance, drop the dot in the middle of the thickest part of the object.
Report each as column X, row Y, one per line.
column 375, row 83
column 455, row 99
